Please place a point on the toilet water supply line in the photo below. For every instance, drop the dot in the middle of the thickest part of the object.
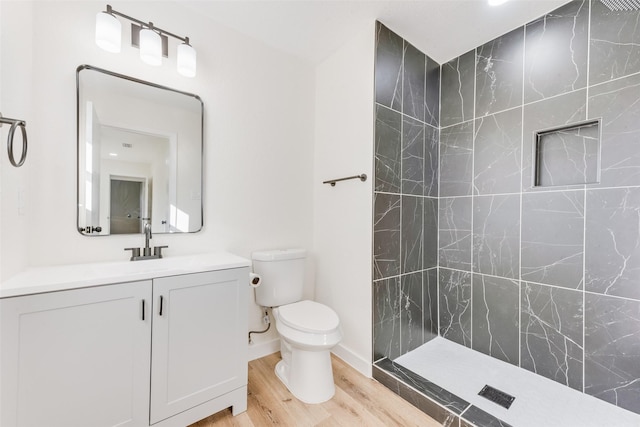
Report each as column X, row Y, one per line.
column 266, row 320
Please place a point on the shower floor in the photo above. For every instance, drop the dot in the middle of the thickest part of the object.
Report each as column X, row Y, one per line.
column 452, row 375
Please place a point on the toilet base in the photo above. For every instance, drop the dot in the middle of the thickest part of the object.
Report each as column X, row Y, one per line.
column 307, row 374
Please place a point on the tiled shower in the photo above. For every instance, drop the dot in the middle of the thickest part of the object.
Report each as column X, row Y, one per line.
column 507, row 199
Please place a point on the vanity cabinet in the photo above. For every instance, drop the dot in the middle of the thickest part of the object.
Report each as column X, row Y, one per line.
column 163, row 352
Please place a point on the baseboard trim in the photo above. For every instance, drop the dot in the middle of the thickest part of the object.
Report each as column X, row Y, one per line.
column 355, row 361
column 258, row 350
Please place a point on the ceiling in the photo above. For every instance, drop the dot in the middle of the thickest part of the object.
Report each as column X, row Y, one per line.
column 313, row 29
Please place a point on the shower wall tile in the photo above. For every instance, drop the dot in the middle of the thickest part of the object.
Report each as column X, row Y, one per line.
column 412, row 216
column 612, row 346
column 432, row 93
column 556, row 52
column 497, row 152
column 495, row 326
column 552, row 238
column 455, row 233
column 456, row 160
column 413, row 93
column 612, row 246
column 496, row 235
column 411, row 312
column 388, row 150
column 431, row 160
column 455, row 306
column 413, row 145
column 499, row 73
column 618, row 103
column 430, row 233
column 544, row 115
column 430, row 304
column 386, row 235
column 457, row 89
column 615, row 43
column 388, row 68
column 386, row 318
column 551, row 337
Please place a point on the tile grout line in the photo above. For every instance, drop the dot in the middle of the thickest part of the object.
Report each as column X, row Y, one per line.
column 524, row 67
column 584, row 235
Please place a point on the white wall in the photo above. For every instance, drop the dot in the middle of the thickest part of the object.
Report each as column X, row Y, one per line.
column 343, row 214
column 259, row 115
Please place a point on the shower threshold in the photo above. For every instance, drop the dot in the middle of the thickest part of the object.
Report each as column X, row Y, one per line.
column 443, row 379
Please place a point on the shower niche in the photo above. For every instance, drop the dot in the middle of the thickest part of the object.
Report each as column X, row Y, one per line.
column 568, row 155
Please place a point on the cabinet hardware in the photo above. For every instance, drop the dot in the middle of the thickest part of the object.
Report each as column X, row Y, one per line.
column 143, row 310
column 161, row 304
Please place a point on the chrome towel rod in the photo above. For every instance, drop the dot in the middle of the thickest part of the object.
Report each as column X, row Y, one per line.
column 361, row 177
column 15, row 123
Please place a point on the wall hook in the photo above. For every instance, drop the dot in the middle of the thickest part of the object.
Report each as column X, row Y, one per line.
column 15, row 123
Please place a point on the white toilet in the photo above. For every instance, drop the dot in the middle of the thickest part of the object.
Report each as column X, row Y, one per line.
column 308, row 330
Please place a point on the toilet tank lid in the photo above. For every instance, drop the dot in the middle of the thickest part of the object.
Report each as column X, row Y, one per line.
column 279, row 254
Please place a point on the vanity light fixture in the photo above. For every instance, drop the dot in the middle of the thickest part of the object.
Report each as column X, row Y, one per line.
column 151, row 40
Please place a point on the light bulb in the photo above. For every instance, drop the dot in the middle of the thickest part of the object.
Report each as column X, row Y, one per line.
column 108, row 32
column 150, row 47
column 186, row 60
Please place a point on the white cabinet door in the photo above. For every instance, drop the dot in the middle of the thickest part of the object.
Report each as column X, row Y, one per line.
column 199, row 339
column 76, row 358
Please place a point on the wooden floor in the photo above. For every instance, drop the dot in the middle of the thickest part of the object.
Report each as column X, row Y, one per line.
column 359, row 401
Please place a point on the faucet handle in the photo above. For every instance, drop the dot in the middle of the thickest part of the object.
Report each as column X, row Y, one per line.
column 157, row 250
column 135, row 252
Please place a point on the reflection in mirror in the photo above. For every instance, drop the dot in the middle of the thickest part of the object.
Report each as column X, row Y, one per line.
column 139, row 156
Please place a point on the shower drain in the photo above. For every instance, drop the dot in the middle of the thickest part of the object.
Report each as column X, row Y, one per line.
column 500, row 397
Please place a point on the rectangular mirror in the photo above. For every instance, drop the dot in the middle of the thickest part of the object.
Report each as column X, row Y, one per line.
column 139, row 156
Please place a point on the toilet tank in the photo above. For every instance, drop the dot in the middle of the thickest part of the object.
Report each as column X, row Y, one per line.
column 282, row 272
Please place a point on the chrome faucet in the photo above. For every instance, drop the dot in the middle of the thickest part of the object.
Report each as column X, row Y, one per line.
column 147, row 236
column 146, row 251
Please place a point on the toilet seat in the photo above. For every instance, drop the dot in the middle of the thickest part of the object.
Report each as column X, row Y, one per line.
column 309, row 316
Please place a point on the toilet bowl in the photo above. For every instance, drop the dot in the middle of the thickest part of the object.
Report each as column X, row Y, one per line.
column 308, row 330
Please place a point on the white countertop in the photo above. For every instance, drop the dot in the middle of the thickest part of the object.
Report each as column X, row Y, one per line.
column 57, row 278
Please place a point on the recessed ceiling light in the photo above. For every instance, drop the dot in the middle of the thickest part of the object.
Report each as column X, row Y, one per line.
column 497, row 2
column 113, row 154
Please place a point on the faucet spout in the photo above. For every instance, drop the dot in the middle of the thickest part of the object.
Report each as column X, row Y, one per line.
column 147, row 236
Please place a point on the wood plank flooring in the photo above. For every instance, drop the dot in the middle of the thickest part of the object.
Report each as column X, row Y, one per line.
column 359, row 401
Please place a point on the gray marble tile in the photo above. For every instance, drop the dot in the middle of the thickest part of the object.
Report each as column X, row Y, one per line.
column 413, row 145
column 386, row 318
column 618, row 104
column 612, row 346
column 457, row 92
column 496, row 235
column 615, row 43
column 388, row 150
column 455, row 233
column 499, row 73
column 388, row 67
column 431, row 160
column 413, row 88
column 476, row 417
column 386, row 235
column 411, row 312
column 417, row 399
column 552, row 238
column 411, row 249
column 455, row 306
column 544, row 115
column 568, row 156
column 430, row 233
column 612, row 242
column 556, row 52
column 456, row 160
column 551, row 333
column 495, row 326
column 430, row 304
column 432, row 93
column 440, row 395
column 497, row 152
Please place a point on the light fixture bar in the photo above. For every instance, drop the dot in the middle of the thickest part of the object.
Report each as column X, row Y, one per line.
column 146, row 24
